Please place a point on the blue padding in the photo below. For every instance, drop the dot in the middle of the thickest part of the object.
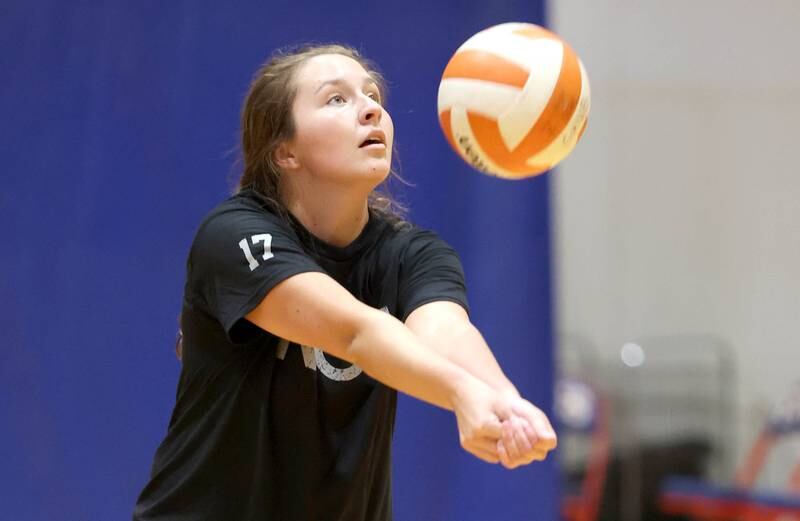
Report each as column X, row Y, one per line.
column 697, row 490
column 783, row 426
column 776, row 500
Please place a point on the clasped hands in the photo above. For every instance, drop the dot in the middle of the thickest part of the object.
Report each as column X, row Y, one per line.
column 502, row 427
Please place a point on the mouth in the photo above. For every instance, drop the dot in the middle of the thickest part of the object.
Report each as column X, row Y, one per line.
column 375, row 138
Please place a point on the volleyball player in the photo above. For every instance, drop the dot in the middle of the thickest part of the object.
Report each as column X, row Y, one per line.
column 308, row 304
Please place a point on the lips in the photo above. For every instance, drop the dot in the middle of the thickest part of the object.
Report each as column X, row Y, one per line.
column 376, row 137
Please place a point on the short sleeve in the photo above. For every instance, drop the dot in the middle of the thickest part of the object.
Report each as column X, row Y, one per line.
column 430, row 271
column 238, row 256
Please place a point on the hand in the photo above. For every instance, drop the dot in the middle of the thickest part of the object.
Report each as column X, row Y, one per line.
column 527, row 435
column 479, row 411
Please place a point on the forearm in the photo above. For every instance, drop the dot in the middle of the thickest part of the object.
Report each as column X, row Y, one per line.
column 467, row 349
column 313, row 309
column 444, row 327
column 392, row 354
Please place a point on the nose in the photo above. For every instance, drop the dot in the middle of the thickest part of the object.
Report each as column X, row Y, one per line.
column 371, row 112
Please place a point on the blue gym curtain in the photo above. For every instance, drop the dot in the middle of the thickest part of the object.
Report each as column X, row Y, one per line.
column 119, row 128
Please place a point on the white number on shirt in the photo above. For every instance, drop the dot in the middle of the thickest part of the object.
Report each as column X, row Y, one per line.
column 255, row 239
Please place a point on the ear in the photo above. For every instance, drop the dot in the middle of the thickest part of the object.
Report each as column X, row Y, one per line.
column 284, row 157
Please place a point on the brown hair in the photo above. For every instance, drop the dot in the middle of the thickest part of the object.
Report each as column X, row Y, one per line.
column 267, row 121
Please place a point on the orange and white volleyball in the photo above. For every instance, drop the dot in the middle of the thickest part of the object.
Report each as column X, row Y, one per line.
column 514, row 100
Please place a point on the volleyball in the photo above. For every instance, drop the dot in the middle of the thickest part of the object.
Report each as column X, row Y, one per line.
column 514, row 100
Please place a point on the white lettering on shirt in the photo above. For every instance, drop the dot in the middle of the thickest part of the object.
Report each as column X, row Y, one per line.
column 314, row 359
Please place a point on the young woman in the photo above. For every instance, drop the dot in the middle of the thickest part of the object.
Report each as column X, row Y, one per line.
column 307, row 305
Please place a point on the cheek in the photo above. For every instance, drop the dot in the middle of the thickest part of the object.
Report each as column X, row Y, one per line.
column 317, row 139
column 324, row 144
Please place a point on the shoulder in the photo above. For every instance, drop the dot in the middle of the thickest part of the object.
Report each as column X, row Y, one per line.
column 416, row 240
column 429, row 270
column 399, row 232
column 411, row 246
column 239, row 215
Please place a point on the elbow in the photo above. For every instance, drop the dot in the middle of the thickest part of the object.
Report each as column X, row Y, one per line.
column 359, row 344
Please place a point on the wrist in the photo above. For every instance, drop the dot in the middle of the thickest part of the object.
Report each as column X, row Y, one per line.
column 508, row 390
column 462, row 386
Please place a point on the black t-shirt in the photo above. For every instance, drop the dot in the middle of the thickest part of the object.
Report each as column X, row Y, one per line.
column 267, row 430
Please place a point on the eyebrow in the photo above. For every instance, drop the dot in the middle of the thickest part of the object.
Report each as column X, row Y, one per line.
column 340, row 81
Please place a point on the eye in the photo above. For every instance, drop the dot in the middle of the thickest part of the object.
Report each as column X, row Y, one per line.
column 336, row 99
column 375, row 96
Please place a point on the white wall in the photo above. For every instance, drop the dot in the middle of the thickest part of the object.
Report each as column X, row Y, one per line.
column 679, row 211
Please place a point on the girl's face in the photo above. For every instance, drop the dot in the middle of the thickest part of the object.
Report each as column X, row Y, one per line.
column 342, row 132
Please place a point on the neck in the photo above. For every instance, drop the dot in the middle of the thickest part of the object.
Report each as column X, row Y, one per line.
column 333, row 216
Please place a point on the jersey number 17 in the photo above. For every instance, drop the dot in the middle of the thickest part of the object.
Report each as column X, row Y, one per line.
column 255, row 239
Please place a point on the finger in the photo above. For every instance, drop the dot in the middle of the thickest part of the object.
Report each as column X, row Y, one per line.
column 530, row 458
column 509, row 441
column 505, row 460
column 530, row 454
column 535, row 455
column 515, row 455
column 530, row 433
column 546, row 437
column 538, row 455
column 485, row 444
column 533, row 416
column 487, row 456
column 490, row 429
column 520, row 435
column 547, row 442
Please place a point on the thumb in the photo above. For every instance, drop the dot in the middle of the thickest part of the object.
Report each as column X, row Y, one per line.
column 492, row 428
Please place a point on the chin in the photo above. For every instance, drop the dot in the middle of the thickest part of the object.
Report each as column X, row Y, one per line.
column 374, row 169
column 378, row 173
